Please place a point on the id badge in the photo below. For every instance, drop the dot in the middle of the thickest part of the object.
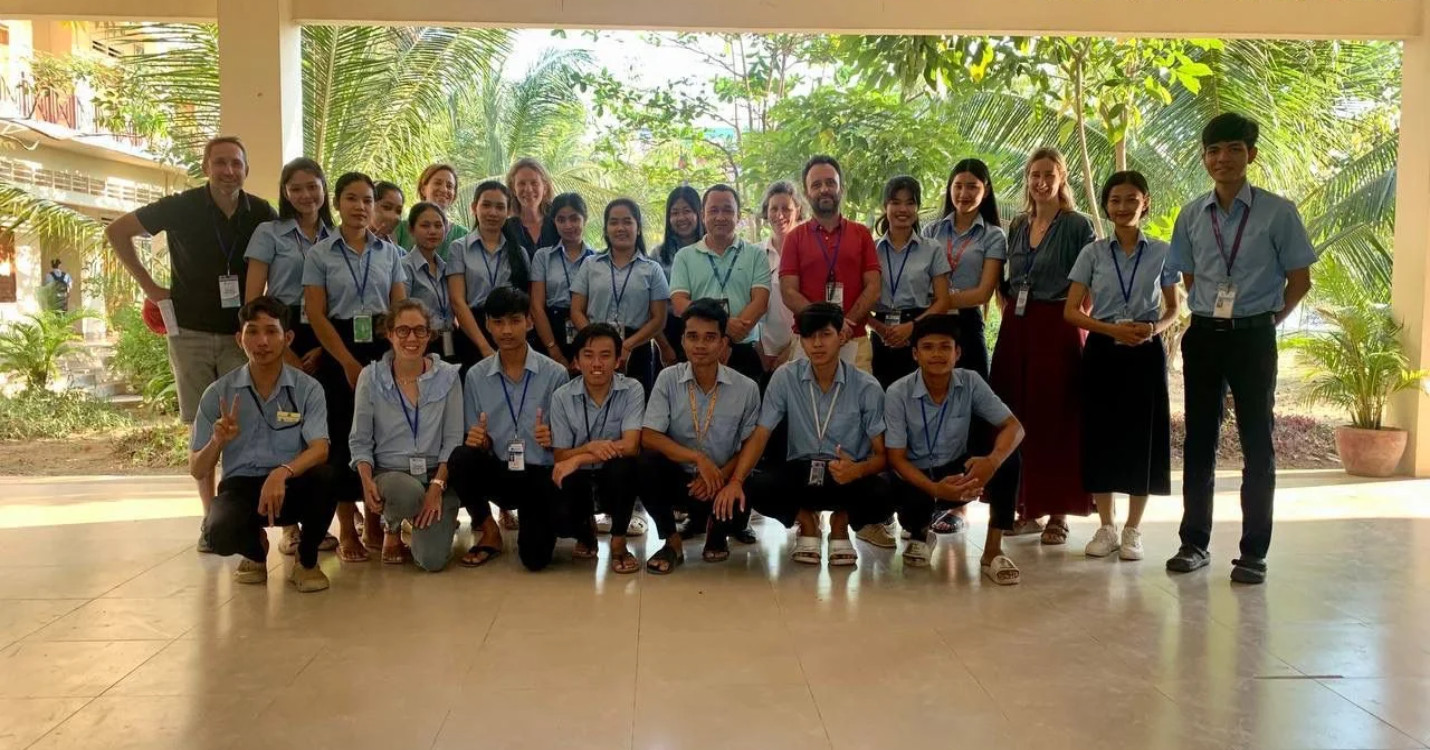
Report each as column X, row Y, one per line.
column 1021, row 306
column 417, row 466
column 171, row 318
column 362, row 329
column 448, row 348
column 816, row 473
column 725, row 305
column 570, row 332
column 228, row 292
column 303, row 312
column 1225, row 300
column 834, row 292
column 289, row 417
column 890, row 317
column 516, row 456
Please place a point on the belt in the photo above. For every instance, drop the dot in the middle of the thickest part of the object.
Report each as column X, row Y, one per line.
column 905, row 315
column 1264, row 320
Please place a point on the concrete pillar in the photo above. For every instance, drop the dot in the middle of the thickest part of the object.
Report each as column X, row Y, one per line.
column 261, row 86
column 1410, row 291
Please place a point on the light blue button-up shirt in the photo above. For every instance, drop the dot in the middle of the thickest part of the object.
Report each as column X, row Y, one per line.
column 341, row 271
column 552, row 267
column 909, row 271
column 636, row 285
column 733, row 276
column 483, row 268
column 968, row 249
column 1142, row 275
column 510, row 405
column 915, row 421
column 283, row 247
column 1274, row 243
column 737, row 411
column 576, row 418
column 854, row 408
column 264, row 441
column 383, row 418
column 429, row 287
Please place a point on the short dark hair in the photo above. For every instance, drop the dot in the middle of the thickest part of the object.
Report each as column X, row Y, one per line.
column 935, row 325
column 1230, row 126
column 265, row 305
column 220, row 140
column 488, row 186
column 348, row 179
column 815, row 161
column 54, row 262
column 1129, row 177
column 421, row 207
column 892, row 188
column 709, row 309
column 385, row 187
column 817, row 317
column 504, row 301
column 721, row 187
column 594, row 331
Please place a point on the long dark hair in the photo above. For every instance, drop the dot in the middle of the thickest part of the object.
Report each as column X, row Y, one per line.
column 670, row 245
column 285, row 208
column 635, row 213
column 1130, row 177
column 573, row 201
column 515, row 254
column 892, row 188
column 988, row 209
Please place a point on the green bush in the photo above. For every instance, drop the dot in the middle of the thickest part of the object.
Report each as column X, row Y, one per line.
column 32, row 350
column 43, row 414
column 141, row 358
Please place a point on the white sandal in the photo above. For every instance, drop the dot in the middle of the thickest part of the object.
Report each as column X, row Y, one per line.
column 636, row 527
column 917, row 554
column 806, row 550
column 841, row 552
column 1002, row 571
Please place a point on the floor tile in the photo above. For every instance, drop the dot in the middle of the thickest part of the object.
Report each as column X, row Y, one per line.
column 537, row 719
column 59, row 669
column 211, row 722
column 127, row 620
column 669, row 717
column 24, row 720
column 21, row 617
column 237, row 665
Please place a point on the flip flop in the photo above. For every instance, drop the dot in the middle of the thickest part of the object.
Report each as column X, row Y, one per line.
column 670, row 557
column 948, row 522
column 1001, row 571
column 361, row 554
column 625, row 559
column 491, row 553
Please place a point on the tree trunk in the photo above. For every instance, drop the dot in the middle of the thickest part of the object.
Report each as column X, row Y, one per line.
column 1120, row 153
column 1089, row 189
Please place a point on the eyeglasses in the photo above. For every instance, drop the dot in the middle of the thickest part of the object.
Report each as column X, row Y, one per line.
column 420, row 332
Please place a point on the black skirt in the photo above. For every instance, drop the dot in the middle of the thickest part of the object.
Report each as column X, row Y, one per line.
column 1127, row 443
column 340, row 398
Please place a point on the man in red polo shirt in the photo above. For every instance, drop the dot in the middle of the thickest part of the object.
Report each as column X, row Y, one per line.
column 831, row 259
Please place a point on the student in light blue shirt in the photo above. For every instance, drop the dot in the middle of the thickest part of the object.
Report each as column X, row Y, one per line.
column 267, row 421
column 700, row 414
column 914, row 280
column 427, row 272
column 349, row 281
column 480, row 263
column 930, row 414
column 972, row 241
column 553, row 271
column 624, row 287
column 506, row 457
column 595, row 433
column 835, row 457
column 407, row 421
column 1246, row 259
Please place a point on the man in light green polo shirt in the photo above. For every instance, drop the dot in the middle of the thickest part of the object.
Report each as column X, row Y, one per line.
column 723, row 267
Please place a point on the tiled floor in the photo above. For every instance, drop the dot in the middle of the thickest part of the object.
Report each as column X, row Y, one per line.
column 114, row 633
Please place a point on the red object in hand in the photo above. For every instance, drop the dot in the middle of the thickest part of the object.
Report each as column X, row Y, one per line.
column 153, row 318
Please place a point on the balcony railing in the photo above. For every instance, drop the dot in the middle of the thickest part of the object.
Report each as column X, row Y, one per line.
column 77, row 182
column 27, row 101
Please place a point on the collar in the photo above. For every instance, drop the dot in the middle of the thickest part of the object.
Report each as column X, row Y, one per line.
column 605, row 257
column 885, row 243
column 1243, row 196
column 1113, row 243
column 383, row 371
column 560, row 250
column 921, row 391
column 806, row 371
column 815, row 226
column 241, row 207
column 687, row 374
column 618, row 383
column 946, row 224
column 242, row 378
column 415, row 260
column 372, row 242
column 476, row 241
column 492, row 365
column 703, row 246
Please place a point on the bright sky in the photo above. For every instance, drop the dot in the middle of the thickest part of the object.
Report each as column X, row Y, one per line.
column 623, row 53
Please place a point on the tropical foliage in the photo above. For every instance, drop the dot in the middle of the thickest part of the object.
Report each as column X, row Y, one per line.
column 31, row 349
column 1358, row 364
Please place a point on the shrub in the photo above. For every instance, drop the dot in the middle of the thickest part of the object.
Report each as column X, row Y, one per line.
column 43, row 414
column 32, row 350
column 160, row 446
column 141, row 358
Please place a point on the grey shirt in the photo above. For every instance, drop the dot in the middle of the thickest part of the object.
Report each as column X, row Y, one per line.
column 1047, row 266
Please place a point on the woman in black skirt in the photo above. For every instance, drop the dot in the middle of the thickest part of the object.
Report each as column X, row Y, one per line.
column 1127, row 443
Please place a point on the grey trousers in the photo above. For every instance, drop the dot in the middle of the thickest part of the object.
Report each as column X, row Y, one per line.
column 402, row 500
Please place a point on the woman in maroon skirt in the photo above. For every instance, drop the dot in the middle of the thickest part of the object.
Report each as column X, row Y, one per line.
column 1037, row 362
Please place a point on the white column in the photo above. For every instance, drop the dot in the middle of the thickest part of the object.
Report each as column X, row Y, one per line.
column 1410, row 291
column 261, row 86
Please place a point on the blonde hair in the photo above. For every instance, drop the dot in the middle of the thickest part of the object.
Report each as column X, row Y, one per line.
column 430, row 172
column 548, row 186
column 1065, row 195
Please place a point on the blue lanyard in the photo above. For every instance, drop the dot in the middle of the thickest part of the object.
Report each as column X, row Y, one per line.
column 439, row 289
column 491, row 273
column 525, row 384
column 1033, row 251
column 616, row 298
column 414, row 420
column 566, row 268
column 303, row 243
column 942, row 412
column 1132, row 279
column 829, row 263
column 715, row 269
column 889, row 261
column 366, row 269
column 604, row 413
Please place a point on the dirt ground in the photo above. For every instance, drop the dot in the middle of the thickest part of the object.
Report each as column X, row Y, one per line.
column 76, row 456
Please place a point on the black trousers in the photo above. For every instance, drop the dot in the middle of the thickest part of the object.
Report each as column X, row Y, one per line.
column 745, row 360
column 609, row 489
column 643, row 363
column 1243, row 359
column 916, row 508
column 346, row 485
column 664, row 489
column 468, row 353
column 783, row 491
column 479, row 477
column 234, row 522
column 890, row 363
column 971, row 344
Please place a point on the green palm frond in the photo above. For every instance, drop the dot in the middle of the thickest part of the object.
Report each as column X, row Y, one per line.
column 54, row 224
column 1358, row 364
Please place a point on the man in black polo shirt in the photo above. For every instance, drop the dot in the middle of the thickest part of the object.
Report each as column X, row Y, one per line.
column 207, row 229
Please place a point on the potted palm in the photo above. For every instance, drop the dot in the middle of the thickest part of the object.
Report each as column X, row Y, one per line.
column 1357, row 365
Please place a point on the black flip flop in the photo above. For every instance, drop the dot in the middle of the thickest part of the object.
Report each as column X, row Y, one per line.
column 956, row 522
column 492, row 554
column 667, row 555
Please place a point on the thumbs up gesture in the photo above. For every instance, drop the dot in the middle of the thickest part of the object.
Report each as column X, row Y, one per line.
column 543, row 431
column 843, row 468
column 226, row 428
column 477, row 434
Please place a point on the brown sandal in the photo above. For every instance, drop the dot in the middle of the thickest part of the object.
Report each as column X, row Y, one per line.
column 1056, row 532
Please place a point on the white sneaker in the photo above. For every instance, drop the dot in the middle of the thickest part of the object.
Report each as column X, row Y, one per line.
column 1131, row 544
column 878, row 535
column 251, row 571
column 1103, row 543
column 917, row 554
column 603, row 523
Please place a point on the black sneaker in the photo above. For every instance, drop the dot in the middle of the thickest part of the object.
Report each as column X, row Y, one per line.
column 1188, row 559
column 1249, row 570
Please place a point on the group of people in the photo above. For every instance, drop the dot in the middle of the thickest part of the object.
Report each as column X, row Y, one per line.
column 393, row 367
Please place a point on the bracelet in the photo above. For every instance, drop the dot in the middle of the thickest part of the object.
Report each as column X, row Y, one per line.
column 440, row 483
column 549, row 345
column 291, row 473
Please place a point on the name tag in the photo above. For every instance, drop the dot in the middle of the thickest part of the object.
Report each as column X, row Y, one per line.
column 725, row 305
column 362, row 329
column 1021, row 306
column 834, row 292
column 1225, row 300
column 889, row 317
column 570, row 332
column 448, row 349
column 516, row 456
column 816, row 472
column 171, row 318
column 290, row 417
column 228, row 293
column 303, row 312
column 417, row 466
